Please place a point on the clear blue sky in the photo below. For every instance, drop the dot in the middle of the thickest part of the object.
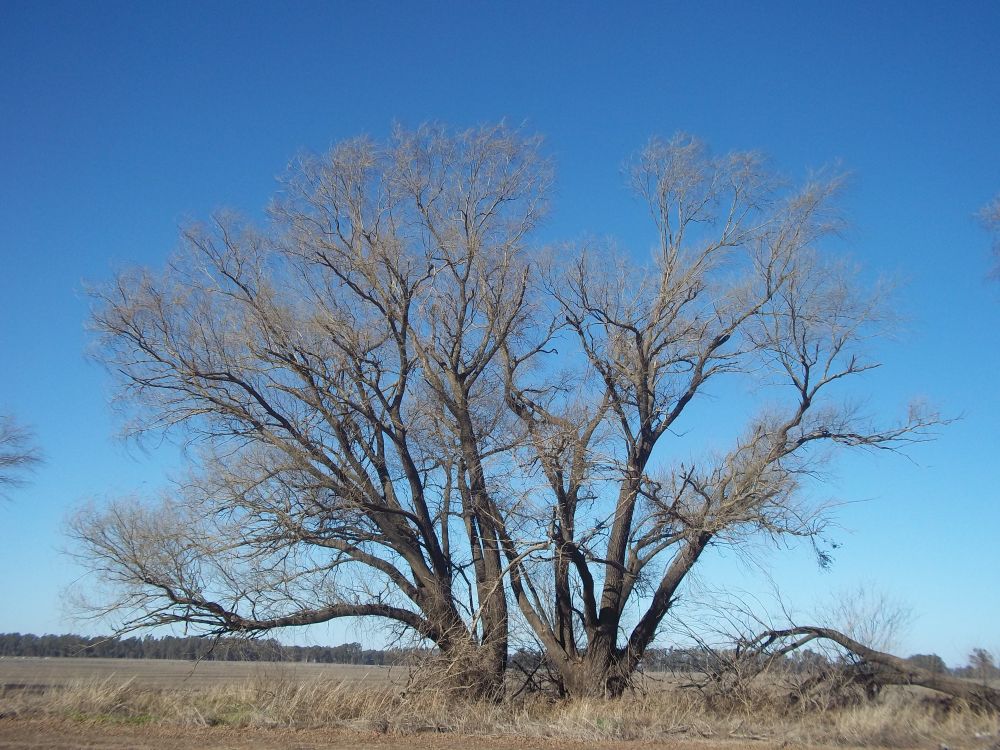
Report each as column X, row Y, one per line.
column 120, row 120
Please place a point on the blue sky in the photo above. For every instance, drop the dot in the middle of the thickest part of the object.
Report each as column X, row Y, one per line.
column 118, row 121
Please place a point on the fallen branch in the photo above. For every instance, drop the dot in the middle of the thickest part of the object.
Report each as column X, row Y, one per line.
column 892, row 670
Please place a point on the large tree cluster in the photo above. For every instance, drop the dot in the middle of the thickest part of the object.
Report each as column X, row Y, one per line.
column 404, row 409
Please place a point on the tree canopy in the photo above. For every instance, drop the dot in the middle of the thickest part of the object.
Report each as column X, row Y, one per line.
column 18, row 453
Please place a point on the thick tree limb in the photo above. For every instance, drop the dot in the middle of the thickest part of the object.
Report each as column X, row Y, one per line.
column 892, row 669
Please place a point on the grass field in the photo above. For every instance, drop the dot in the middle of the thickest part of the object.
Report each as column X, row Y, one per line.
column 120, row 703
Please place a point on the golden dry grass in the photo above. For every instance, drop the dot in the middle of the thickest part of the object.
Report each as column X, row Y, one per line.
column 281, row 698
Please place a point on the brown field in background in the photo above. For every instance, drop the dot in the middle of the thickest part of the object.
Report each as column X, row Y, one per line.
column 30, row 672
column 33, row 672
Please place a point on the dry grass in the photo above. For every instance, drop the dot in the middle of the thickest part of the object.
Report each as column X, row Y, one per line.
column 900, row 718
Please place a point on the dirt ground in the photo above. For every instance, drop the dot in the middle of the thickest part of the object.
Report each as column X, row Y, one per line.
column 71, row 735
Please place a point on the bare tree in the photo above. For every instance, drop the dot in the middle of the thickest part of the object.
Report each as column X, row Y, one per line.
column 340, row 374
column 989, row 216
column 982, row 666
column 404, row 414
column 18, row 453
column 738, row 285
column 868, row 615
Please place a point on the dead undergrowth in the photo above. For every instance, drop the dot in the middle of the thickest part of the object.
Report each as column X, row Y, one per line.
column 896, row 718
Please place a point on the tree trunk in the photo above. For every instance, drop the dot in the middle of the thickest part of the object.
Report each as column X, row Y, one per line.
column 473, row 671
column 599, row 672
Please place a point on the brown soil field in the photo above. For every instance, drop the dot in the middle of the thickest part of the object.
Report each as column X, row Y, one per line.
column 67, row 735
column 28, row 673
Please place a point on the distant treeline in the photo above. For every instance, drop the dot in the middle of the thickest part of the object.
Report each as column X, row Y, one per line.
column 194, row 648
column 244, row 649
column 981, row 663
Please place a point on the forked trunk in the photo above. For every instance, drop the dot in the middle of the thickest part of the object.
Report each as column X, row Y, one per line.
column 600, row 672
column 472, row 671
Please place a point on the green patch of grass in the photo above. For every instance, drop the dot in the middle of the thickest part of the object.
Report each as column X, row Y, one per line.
column 140, row 719
column 237, row 715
